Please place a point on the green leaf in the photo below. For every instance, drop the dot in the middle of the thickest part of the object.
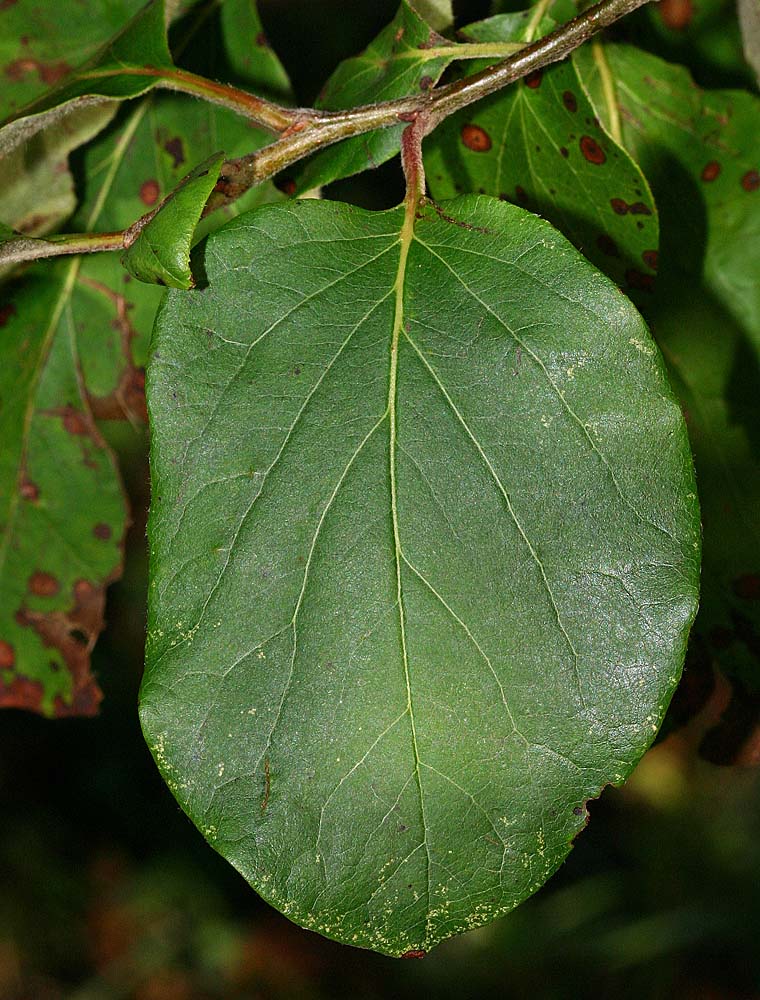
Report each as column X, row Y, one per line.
column 402, row 60
column 439, row 14
column 127, row 66
column 161, row 252
column 36, row 55
column 248, row 53
column 62, row 512
column 73, row 337
column 424, row 551
column 699, row 150
column 36, row 190
column 539, row 144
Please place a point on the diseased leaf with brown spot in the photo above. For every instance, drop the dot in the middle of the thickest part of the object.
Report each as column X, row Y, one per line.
column 57, row 480
column 700, row 150
column 539, row 144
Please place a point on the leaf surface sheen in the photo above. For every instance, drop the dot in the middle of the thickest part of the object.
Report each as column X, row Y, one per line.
column 424, row 554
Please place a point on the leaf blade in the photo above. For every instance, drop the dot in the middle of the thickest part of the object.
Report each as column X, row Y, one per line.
column 354, row 704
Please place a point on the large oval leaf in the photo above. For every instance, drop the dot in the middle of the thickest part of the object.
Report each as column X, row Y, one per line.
column 424, row 554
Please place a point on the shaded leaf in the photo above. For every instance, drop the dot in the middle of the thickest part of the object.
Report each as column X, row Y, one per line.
column 36, row 188
column 402, row 60
column 161, row 252
column 386, row 717
column 700, row 151
column 539, row 144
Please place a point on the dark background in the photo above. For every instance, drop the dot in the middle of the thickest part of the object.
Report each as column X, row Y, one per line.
column 107, row 891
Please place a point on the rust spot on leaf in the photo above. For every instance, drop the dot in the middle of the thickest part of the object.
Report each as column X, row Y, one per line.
column 564, row 151
column 5, row 4
column 533, row 80
column 285, row 184
column 751, row 180
column 102, row 531
column 7, row 655
column 650, row 258
column 639, row 208
column 128, row 399
column 74, row 421
column 7, row 311
column 710, row 171
column 176, row 150
column 476, row 138
column 416, row 953
column 591, row 150
column 570, row 101
column 747, row 587
column 426, row 83
column 73, row 634
column 149, row 191
column 50, row 73
column 21, row 693
column 29, row 490
column 43, row 584
column 676, row 14
column 638, row 280
column 619, row 206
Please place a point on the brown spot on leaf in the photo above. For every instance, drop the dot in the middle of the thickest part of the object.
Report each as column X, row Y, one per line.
column 533, row 80
column 128, row 399
column 7, row 655
column 29, row 490
column 710, row 171
column 102, row 531
column 21, row 693
column 416, row 953
column 650, row 258
column 5, row 4
column 262, row 41
column 641, row 282
column 747, row 587
column 7, row 311
column 521, row 194
column 564, row 151
column 426, row 83
column 619, row 206
column 608, row 246
column 50, row 73
column 73, row 634
column 591, row 150
column 476, row 138
column 570, row 101
column 149, row 191
column 43, row 584
column 176, row 150
column 74, row 421
column 751, row 180
column 639, row 208
column 285, row 184
column 676, row 14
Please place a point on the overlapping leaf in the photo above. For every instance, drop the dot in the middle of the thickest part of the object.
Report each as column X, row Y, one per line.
column 84, row 325
column 424, row 554
column 701, row 151
column 402, row 60
column 160, row 254
column 539, row 143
